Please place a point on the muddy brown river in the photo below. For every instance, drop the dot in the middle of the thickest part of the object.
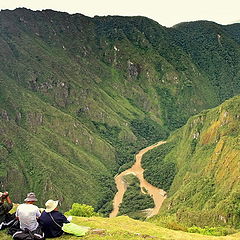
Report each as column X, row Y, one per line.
column 157, row 194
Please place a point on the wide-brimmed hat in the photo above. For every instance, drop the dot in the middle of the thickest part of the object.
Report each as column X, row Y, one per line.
column 30, row 197
column 51, row 205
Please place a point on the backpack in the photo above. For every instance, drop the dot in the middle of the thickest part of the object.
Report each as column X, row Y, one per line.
column 19, row 234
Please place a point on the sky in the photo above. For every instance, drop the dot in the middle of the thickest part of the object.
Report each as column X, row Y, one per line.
column 166, row 12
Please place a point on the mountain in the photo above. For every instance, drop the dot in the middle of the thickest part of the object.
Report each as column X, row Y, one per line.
column 79, row 96
column 199, row 167
column 213, row 47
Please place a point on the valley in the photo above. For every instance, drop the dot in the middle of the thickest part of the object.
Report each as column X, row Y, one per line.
column 81, row 96
column 158, row 195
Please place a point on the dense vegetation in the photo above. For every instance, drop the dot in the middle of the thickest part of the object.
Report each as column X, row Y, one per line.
column 134, row 200
column 206, row 189
column 158, row 172
column 81, row 210
column 79, row 96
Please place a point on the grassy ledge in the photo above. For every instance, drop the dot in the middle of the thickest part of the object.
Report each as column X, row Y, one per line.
column 123, row 227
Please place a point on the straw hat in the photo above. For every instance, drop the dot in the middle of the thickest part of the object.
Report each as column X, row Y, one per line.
column 30, row 197
column 50, row 205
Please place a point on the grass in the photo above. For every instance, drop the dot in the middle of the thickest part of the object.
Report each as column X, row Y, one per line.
column 121, row 228
column 206, row 184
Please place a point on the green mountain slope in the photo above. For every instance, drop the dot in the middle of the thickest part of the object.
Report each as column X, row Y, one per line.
column 202, row 160
column 214, row 49
column 40, row 151
column 79, row 96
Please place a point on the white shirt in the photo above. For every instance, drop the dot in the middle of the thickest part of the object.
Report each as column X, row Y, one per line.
column 27, row 214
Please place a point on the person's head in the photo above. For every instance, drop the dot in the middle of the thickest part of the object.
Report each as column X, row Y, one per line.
column 3, row 196
column 51, row 205
column 31, row 198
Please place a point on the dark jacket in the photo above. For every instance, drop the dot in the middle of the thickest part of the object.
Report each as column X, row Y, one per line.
column 4, row 209
column 49, row 227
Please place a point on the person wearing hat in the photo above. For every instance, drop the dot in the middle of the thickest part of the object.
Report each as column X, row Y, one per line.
column 51, row 220
column 28, row 213
column 6, row 219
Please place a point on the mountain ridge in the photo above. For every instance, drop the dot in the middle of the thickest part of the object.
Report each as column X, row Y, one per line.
column 94, row 91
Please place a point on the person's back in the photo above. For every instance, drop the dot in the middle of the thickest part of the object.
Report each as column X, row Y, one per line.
column 27, row 227
column 27, row 215
column 51, row 220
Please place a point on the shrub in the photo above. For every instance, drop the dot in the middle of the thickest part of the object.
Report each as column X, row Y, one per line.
column 213, row 231
column 81, row 210
column 168, row 221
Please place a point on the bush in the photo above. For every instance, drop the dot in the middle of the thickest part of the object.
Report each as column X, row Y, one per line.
column 168, row 221
column 213, row 231
column 81, row 210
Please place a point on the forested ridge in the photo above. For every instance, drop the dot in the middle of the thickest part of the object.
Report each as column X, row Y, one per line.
column 79, row 96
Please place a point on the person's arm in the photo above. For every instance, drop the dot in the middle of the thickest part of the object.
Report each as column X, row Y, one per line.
column 9, row 204
column 17, row 214
column 38, row 214
column 61, row 218
column 9, row 201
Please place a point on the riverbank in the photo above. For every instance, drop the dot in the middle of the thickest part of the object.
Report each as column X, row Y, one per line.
column 157, row 194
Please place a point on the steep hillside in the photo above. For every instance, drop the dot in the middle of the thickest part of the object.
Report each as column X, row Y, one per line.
column 215, row 50
column 79, row 96
column 199, row 167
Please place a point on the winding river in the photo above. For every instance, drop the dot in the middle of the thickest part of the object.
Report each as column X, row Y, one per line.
column 157, row 194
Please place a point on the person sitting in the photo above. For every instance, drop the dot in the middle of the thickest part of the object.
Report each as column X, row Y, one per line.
column 27, row 226
column 51, row 220
column 6, row 219
column 28, row 213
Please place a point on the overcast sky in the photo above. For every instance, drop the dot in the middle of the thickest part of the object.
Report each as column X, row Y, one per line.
column 166, row 12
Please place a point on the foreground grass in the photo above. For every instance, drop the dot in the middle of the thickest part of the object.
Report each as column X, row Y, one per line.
column 121, row 228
